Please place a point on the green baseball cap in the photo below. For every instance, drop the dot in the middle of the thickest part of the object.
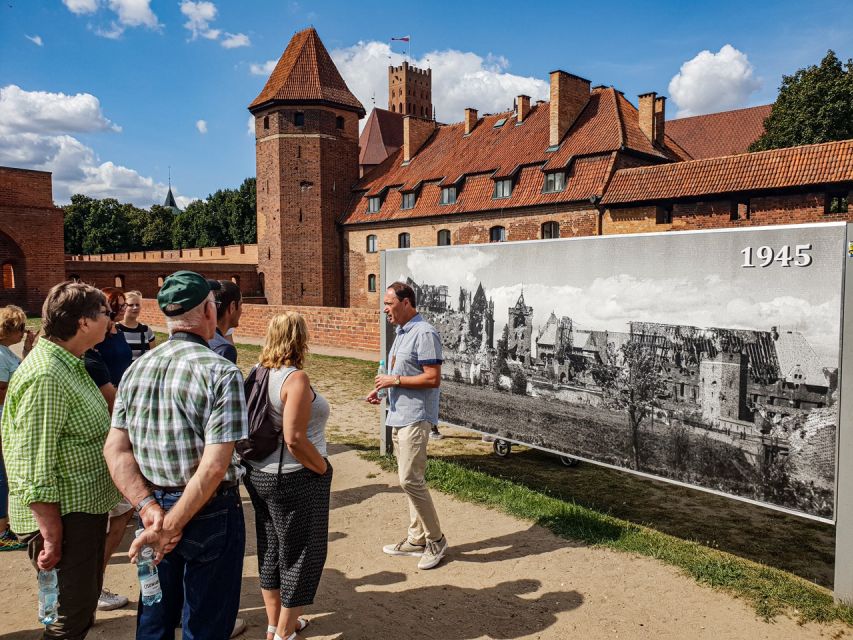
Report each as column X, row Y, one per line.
column 182, row 291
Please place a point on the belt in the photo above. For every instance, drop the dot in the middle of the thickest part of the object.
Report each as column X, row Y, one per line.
column 222, row 488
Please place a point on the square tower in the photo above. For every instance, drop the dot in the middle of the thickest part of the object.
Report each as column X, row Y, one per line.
column 410, row 91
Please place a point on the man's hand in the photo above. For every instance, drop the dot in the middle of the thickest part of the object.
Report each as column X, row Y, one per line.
column 384, row 381
column 373, row 398
column 162, row 542
column 152, row 517
column 50, row 555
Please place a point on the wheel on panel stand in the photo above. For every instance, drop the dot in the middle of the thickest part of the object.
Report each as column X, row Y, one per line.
column 502, row 448
column 569, row 461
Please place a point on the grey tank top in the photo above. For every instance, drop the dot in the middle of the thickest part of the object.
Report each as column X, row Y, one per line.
column 316, row 425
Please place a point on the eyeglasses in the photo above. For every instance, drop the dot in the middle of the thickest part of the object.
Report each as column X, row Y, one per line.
column 106, row 312
column 122, row 307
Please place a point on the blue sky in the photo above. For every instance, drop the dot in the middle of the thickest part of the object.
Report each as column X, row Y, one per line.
column 108, row 93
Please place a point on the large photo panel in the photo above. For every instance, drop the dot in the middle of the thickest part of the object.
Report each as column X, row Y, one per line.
column 705, row 358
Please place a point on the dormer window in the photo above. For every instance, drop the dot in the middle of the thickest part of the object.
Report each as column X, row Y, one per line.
column 555, row 181
column 408, row 201
column 448, row 195
column 373, row 204
column 503, row 188
column 299, row 119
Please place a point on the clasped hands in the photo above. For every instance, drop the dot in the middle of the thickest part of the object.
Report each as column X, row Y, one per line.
column 156, row 535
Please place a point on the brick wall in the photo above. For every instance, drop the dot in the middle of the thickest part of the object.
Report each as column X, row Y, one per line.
column 145, row 276
column 346, row 328
column 520, row 224
column 31, row 237
column 235, row 253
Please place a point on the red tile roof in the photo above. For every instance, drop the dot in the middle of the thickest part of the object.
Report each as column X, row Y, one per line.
column 382, row 136
column 585, row 179
column 305, row 74
column 719, row 134
column 815, row 164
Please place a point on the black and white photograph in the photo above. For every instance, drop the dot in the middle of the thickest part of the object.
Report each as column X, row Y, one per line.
column 706, row 358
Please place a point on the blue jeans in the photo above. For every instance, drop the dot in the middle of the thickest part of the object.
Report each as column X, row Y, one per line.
column 201, row 577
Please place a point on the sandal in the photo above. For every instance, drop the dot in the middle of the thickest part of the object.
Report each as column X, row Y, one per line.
column 302, row 623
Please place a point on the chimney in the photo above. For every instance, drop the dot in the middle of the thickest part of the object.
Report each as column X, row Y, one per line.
column 660, row 119
column 470, row 119
column 416, row 131
column 522, row 107
column 569, row 95
column 648, row 117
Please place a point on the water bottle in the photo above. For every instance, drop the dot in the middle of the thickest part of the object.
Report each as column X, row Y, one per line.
column 149, row 581
column 381, row 371
column 48, row 597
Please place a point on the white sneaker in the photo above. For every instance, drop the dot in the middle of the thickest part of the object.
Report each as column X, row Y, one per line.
column 108, row 600
column 404, row 548
column 433, row 554
column 435, row 434
column 239, row 627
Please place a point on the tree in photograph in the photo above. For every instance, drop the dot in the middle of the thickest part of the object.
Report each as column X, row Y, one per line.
column 814, row 105
column 631, row 385
column 519, row 382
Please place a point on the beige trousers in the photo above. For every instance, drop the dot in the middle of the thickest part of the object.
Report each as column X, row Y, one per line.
column 410, row 447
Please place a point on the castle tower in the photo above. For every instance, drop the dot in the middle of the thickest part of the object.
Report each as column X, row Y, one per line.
column 410, row 91
column 306, row 130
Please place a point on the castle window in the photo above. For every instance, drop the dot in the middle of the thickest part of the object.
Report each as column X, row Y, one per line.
column 404, row 240
column 408, row 201
column 371, row 282
column 837, row 203
column 266, row 122
column 299, row 119
column 555, row 181
column 550, row 230
column 503, row 188
column 448, row 195
column 119, row 281
column 236, row 280
column 160, row 280
column 497, row 234
column 373, row 204
column 339, row 122
column 8, row 276
column 444, row 238
column 663, row 215
column 371, row 243
column 739, row 209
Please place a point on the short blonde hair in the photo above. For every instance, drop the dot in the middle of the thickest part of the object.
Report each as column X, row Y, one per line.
column 286, row 343
column 132, row 294
column 12, row 319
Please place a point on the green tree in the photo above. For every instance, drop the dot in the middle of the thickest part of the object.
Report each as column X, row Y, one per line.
column 76, row 215
column 200, row 225
column 151, row 230
column 814, row 105
column 106, row 228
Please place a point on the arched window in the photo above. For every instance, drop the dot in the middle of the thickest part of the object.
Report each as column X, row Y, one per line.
column 266, row 122
column 236, row 280
column 400, row 108
column 393, row 108
column 339, row 122
column 497, row 234
column 404, row 240
column 444, row 238
column 371, row 282
column 119, row 281
column 550, row 230
column 8, row 276
column 371, row 243
column 160, row 280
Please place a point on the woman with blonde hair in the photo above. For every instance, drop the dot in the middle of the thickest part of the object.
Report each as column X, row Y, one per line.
column 139, row 336
column 290, row 487
column 12, row 330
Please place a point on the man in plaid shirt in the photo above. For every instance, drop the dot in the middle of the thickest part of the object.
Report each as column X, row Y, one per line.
column 178, row 413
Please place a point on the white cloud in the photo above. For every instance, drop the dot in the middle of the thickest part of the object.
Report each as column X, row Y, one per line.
column 45, row 112
column 34, row 134
column 201, row 125
column 81, row 7
column 35, row 40
column 457, row 269
column 712, row 82
column 250, row 126
column 460, row 79
column 234, row 40
column 114, row 32
column 263, row 68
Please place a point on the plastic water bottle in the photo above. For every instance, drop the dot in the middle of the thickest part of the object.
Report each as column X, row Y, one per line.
column 48, row 597
column 149, row 581
column 381, row 371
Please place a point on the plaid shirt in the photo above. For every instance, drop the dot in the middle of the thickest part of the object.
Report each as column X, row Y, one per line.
column 174, row 400
column 55, row 422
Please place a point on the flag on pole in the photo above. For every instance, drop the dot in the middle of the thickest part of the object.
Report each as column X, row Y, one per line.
column 403, row 39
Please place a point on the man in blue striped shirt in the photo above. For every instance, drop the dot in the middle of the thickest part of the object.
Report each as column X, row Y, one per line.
column 412, row 382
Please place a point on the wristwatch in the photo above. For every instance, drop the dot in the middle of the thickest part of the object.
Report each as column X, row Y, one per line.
column 397, row 381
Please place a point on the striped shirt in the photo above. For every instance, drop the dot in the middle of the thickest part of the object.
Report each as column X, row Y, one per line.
column 175, row 400
column 139, row 338
column 417, row 344
column 55, row 422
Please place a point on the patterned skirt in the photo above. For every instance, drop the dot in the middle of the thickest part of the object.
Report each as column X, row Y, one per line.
column 292, row 523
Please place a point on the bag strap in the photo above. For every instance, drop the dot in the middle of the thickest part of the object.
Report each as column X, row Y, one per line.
column 283, row 445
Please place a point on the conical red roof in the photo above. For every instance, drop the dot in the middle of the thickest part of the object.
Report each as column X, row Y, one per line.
column 305, row 74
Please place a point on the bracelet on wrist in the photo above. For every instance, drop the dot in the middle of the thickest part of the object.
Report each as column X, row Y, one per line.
column 147, row 500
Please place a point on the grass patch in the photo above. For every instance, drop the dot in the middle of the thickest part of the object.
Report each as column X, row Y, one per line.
column 770, row 591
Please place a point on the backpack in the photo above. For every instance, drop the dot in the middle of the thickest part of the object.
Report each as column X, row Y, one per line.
column 264, row 435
